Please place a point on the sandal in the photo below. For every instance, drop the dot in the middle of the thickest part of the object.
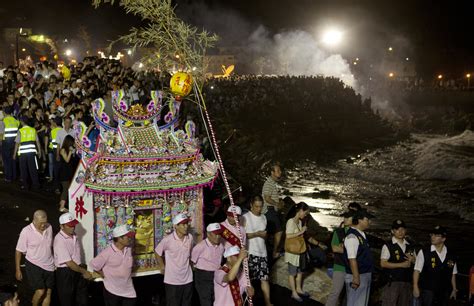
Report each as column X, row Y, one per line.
column 304, row 294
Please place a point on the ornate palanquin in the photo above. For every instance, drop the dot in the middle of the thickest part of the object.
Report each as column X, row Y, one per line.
column 140, row 174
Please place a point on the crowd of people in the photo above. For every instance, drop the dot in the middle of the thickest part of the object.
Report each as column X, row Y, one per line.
column 44, row 101
column 261, row 118
column 39, row 107
column 214, row 268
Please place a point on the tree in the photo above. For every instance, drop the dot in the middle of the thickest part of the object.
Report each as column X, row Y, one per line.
column 172, row 42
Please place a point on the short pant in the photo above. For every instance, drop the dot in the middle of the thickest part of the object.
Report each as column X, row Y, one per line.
column 38, row 278
column 293, row 270
column 258, row 267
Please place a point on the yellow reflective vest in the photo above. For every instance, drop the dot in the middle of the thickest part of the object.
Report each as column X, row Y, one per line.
column 53, row 144
column 27, row 141
column 11, row 128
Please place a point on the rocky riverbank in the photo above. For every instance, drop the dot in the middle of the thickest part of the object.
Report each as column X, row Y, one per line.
column 261, row 119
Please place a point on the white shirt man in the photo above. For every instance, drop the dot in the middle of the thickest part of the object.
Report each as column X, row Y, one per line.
column 434, row 276
column 255, row 224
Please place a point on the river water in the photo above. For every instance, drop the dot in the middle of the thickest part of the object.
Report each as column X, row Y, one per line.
column 396, row 182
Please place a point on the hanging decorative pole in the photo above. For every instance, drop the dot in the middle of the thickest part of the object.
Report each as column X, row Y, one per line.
column 224, row 178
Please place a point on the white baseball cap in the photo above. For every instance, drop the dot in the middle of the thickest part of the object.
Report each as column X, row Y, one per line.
column 68, row 219
column 122, row 230
column 214, row 228
column 180, row 218
column 234, row 209
column 233, row 250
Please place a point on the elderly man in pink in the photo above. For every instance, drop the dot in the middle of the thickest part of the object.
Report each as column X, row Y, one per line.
column 176, row 266
column 229, row 228
column 229, row 280
column 36, row 241
column 207, row 256
column 115, row 265
column 70, row 274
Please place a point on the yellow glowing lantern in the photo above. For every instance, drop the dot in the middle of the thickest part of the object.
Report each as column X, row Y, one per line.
column 66, row 72
column 181, row 84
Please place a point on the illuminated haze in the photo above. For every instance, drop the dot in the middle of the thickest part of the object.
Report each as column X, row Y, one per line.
column 259, row 50
column 294, row 52
column 298, row 53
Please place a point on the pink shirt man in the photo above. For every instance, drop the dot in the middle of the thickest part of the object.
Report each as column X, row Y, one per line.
column 66, row 248
column 222, row 294
column 233, row 229
column 37, row 246
column 177, row 253
column 117, row 268
column 207, row 256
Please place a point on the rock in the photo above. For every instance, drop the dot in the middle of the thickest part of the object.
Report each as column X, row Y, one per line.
column 323, row 194
column 409, row 195
column 377, row 203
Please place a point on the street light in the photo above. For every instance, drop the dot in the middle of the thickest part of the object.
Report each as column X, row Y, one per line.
column 332, row 37
column 129, row 52
column 68, row 52
column 391, row 74
column 440, row 76
column 468, row 76
column 390, row 49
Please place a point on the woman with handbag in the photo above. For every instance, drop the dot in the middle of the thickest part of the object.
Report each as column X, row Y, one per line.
column 295, row 246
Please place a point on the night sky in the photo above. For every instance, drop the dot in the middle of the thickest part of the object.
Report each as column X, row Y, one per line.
column 439, row 33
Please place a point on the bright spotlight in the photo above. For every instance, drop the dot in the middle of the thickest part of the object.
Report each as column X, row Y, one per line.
column 332, row 37
column 68, row 52
column 440, row 76
column 129, row 52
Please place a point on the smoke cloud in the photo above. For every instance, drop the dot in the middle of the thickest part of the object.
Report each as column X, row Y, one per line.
column 294, row 52
column 297, row 53
column 259, row 50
